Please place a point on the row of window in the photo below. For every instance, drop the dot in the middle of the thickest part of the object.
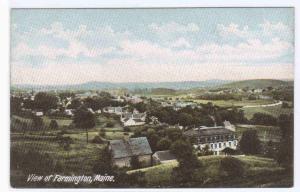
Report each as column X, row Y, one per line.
column 219, row 137
column 219, row 145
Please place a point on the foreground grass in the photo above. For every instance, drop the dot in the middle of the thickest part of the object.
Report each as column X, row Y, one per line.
column 259, row 172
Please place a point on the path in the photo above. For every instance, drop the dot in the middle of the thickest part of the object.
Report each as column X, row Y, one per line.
column 267, row 105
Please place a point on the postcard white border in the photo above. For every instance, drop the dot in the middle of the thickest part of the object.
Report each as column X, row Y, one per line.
column 4, row 71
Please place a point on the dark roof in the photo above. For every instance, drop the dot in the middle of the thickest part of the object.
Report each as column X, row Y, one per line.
column 164, row 155
column 132, row 147
column 208, row 131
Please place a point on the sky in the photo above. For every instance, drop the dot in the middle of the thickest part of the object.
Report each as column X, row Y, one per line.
column 72, row 46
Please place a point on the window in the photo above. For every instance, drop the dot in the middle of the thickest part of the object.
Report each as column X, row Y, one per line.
column 216, row 146
column 224, row 144
column 220, row 145
column 229, row 144
column 234, row 143
column 211, row 146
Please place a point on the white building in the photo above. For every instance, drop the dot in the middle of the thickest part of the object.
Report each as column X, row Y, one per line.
column 217, row 138
column 113, row 110
column 133, row 119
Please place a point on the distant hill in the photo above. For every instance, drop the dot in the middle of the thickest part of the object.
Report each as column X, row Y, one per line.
column 163, row 91
column 182, row 85
column 258, row 83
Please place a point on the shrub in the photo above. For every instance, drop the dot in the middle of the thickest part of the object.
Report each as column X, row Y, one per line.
column 53, row 124
column 97, row 140
column 110, row 124
column 126, row 129
column 102, row 132
column 250, row 143
column 232, row 167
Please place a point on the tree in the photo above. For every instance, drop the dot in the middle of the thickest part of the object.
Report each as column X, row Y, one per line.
column 75, row 104
column 84, row 119
column 53, row 124
column 250, row 144
column 163, row 144
column 45, row 101
column 102, row 132
column 110, row 124
column 188, row 163
column 15, row 105
column 174, row 133
column 65, row 142
column 185, row 119
column 104, row 165
column 37, row 122
column 97, row 140
column 286, row 149
column 232, row 167
column 263, row 119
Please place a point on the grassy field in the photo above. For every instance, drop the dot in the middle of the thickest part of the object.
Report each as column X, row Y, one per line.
column 229, row 103
column 265, row 133
column 44, row 140
column 259, row 172
column 273, row 110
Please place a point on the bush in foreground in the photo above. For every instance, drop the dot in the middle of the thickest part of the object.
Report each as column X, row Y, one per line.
column 231, row 167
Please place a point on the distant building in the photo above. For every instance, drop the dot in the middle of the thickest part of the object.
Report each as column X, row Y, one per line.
column 161, row 157
column 113, row 110
column 133, row 99
column 133, row 119
column 216, row 138
column 69, row 112
column 123, row 151
column 39, row 113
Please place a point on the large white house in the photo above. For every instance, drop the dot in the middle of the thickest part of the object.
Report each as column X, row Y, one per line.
column 217, row 138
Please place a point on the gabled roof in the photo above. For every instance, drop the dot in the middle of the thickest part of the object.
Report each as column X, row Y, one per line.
column 132, row 147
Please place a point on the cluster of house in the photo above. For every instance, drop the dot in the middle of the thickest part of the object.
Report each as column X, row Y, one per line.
column 177, row 105
column 217, row 138
column 127, row 118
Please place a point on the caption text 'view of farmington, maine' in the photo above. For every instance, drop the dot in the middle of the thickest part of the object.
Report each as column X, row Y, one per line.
column 147, row 98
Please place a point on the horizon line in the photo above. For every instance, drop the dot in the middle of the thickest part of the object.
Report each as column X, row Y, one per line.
column 16, row 84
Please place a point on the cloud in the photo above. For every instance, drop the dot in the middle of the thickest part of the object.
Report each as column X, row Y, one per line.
column 173, row 27
column 233, row 30
column 252, row 50
column 74, row 49
column 181, row 42
column 172, row 58
column 129, row 70
column 278, row 29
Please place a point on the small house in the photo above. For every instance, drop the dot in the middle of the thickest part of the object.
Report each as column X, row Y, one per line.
column 124, row 150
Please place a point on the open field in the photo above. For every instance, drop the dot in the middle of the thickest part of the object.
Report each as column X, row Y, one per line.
column 265, row 133
column 259, row 172
column 229, row 103
column 273, row 110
